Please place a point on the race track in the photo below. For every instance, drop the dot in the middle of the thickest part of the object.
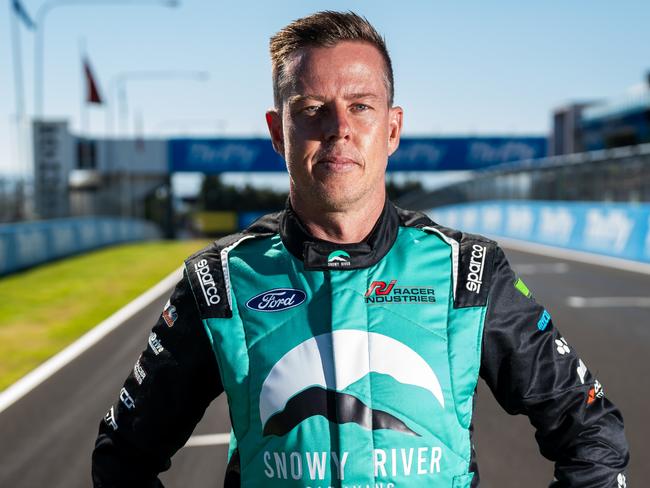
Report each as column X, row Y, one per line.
column 46, row 438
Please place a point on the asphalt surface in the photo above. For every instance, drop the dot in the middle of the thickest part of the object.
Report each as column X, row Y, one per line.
column 47, row 437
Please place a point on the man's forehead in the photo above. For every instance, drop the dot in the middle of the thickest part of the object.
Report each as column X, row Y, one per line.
column 352, row 68
column 312, row 57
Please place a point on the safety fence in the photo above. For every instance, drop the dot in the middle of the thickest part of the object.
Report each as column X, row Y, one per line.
column 614, row 229
column 26, row 244
column 613, row 175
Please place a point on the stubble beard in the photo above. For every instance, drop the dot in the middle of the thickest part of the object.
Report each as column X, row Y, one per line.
column 329, row 197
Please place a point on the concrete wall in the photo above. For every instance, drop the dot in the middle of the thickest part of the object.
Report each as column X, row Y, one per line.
column 27, row 244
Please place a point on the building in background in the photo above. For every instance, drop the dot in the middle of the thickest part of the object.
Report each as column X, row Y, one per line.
column 618, row 122
column 76, row 176
column 566, row 132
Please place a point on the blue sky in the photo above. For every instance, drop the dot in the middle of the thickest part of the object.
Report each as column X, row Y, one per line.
column 465, row 67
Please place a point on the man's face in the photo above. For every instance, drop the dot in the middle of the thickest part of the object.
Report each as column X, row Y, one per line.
column 335, row 129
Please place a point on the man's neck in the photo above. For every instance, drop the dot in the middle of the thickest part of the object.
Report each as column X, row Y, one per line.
column 343, row 227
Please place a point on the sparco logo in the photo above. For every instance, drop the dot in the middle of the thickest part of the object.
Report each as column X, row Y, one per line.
column 276, row 300
column 208, row 286
column 476, row 264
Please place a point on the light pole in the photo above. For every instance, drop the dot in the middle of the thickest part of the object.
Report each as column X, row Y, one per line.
column 118, row 84
column 41, row 14
column 117, row 91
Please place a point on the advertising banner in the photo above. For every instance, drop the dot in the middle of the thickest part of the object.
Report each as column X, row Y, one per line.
column 213, row 156
column 620, row 230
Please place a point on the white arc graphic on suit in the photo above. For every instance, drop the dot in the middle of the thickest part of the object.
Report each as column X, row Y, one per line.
column 336, row 360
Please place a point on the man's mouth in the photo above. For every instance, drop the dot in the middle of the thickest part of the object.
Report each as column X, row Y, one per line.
column 336, row 164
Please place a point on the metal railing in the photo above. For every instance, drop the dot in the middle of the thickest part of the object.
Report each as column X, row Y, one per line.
column 611, row 175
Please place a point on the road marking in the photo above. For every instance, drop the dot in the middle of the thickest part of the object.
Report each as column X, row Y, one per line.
column 605, row 302
column 208, row 440
column 31, row 380
column 580, row 256
column 541, row 268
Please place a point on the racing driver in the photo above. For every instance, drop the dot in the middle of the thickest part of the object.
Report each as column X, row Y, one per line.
column 348, row 334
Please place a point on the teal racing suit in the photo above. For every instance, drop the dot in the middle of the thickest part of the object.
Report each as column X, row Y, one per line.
column 357, row 364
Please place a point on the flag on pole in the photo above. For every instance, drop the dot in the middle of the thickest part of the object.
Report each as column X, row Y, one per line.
column 22, row 14
column 92, row 90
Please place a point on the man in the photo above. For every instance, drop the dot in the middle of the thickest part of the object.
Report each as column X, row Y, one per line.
column 348, row 334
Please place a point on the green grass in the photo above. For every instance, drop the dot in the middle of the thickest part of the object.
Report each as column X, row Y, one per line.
column 44, row 309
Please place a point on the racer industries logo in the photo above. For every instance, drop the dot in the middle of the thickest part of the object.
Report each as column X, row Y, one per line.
column 305, row 381
column 381, row 292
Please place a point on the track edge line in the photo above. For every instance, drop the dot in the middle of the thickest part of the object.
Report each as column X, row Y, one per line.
column 573, row 255
column 31, row 380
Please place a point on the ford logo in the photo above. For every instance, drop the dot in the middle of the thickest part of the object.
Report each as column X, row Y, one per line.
column 276, row 300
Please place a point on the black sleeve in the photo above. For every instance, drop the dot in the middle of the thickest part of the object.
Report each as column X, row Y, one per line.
column 172, row 383
column 532, row 370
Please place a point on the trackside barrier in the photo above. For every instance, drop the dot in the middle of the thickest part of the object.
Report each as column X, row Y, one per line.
column 27, row 244
column 620, row 230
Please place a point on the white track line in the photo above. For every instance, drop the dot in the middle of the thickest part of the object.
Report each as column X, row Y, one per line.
column 541, row 268
column 30, row 381
column 605, row 302
column 580, row 256
column 208, row 440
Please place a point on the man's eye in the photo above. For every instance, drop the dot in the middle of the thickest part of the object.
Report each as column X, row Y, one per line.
column 361, row 107
column 312, row 109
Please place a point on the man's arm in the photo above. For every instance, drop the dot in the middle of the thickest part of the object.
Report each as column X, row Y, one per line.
column 172, row 383
column 532, row 370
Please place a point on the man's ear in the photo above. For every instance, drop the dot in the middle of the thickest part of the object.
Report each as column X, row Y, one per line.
column 274, row 123
column 395, row 115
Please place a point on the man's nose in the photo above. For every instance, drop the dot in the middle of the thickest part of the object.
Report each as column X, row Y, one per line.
column 336, row 124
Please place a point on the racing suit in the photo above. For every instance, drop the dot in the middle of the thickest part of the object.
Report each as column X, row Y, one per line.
column 428, row 309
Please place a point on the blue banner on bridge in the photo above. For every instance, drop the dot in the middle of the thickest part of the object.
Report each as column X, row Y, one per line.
column 212, row 156
column 620, row 230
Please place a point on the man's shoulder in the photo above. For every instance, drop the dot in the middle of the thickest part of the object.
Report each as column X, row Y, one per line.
column 206, row 273
column 473, row 258
column 420, row 220
column 265, row 226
